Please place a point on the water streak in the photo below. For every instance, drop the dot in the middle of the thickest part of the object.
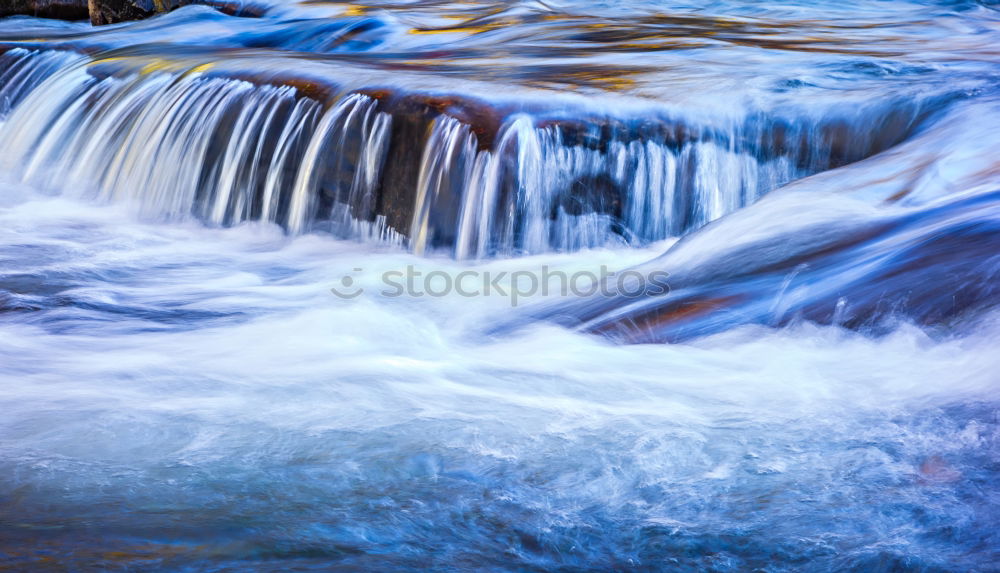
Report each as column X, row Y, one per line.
column 186, row 144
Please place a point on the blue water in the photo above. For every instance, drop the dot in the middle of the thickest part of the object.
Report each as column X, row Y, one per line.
column 181, row 391
column 188, row 398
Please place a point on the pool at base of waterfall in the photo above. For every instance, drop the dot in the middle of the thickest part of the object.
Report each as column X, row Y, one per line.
column 178, row 398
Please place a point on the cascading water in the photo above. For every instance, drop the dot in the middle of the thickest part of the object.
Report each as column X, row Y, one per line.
column 544, row 189
column 22, row 70
column 502, row 286
column 182, row 142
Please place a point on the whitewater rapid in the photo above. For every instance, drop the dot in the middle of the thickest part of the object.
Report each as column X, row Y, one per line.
column 174, row 394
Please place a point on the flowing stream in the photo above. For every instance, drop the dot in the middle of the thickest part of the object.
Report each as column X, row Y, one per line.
column 303, row 292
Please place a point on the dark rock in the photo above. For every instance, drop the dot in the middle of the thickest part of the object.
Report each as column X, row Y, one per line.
column 397, row 191
column 113, row 11
column 57, row 9
column 591, row 194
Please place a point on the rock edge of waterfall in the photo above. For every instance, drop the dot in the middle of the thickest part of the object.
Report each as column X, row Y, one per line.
column 102, row 12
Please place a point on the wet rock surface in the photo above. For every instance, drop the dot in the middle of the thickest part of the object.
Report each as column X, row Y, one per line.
column 57, row 9
column 102, row 12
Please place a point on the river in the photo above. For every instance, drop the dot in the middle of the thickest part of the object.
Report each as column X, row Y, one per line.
column 235, row 332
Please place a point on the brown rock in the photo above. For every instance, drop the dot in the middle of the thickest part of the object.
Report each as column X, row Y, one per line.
column 113, row 11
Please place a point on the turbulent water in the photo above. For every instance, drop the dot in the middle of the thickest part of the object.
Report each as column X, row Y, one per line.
column 204, row 366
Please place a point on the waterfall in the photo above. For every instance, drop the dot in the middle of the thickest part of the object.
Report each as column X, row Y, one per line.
column 177, row 141
column 545, row 188
column 182, row 144
column 22, row 70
